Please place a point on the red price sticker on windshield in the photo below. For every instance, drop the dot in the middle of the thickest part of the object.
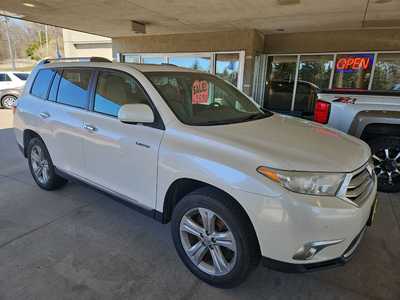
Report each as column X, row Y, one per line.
column 200, row 92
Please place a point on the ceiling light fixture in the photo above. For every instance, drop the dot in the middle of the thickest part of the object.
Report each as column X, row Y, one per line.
column 28, row 4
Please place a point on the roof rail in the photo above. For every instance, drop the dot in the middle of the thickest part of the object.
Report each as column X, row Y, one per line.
column 73, row 59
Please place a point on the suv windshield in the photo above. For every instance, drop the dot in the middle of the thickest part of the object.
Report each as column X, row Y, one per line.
column 202, row 99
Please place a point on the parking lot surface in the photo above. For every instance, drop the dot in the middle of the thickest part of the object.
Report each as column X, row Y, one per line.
column 77, row 243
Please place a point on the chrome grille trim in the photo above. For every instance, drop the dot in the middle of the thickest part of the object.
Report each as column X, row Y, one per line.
column 358, row 185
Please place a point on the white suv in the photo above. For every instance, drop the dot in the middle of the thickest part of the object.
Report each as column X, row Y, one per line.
column 236, row 183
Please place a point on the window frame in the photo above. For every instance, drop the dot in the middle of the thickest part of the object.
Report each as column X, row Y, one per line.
column 51, row 85
column 63, row 69
column 48, row 87
column 158, row 122
column 260, row 97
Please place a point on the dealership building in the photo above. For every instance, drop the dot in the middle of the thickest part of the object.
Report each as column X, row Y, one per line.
column 278, row 51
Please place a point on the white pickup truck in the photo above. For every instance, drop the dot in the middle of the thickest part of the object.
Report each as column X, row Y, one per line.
column 373, row 117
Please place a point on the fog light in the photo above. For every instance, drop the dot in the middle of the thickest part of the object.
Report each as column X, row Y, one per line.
column 308, row 251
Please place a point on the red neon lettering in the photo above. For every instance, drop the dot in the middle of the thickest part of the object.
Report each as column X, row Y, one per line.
column 365, row 63
column 356, row 63
column 341, row 64
column 349, row 63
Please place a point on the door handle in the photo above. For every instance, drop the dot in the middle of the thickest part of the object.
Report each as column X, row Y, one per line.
column 44, row 115
column 89, row 127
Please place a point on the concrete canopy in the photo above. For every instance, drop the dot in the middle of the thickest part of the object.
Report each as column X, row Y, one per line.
column 113, row 18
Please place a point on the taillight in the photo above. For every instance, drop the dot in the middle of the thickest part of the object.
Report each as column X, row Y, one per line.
column 321, row 112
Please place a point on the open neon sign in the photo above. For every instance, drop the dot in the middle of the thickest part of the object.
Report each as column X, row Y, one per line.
column 354, row 63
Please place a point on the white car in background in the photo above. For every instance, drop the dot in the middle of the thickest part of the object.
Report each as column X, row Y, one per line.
column 236, row 183
column 11, row 83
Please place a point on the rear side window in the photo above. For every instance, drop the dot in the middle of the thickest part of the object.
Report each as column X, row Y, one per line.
column 4, row 77
column 22, row 76
column 74, row 88
column 42, row 83
column 115, row 89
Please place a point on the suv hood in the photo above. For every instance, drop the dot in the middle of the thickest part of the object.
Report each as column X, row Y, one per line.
column 289, row 143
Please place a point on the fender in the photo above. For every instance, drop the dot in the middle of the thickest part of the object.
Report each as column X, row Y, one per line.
column 13, row 92
column 367, row 117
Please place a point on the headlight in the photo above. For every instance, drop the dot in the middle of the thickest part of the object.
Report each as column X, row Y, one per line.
column 310, row 183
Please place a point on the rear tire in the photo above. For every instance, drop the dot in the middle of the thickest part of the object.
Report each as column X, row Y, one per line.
column 8, row 101
column 41, row 166
column 386, row 155
column 227, row 251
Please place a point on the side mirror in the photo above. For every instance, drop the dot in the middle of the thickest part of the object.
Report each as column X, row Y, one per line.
column 136, row 113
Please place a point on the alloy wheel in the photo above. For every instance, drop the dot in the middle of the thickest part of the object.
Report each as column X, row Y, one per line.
column 208, row 241
column 387, row 165
column 9, row 101
column 40, row 164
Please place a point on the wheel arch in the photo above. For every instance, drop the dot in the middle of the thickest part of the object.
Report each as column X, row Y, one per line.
column 372, row 119
column 28, row 135
column 183, row 186
column 376, row 130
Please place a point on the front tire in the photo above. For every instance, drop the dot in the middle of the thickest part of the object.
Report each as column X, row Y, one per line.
column 8, row 101
column 213, row 238
column 386, row 155
column 41, row 166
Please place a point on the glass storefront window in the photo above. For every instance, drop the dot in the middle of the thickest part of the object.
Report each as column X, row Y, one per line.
column 314, row 74
column 280, row 83
column 131, row 58
column 195, row 62
column 387, row 72
column 353, row 71
column 227, row 67
column 153, row 60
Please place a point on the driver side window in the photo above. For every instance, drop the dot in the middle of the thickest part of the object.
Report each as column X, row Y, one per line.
column 115, row 89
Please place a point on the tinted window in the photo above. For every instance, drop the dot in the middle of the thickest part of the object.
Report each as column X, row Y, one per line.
column 74, row 86
column 54, row 86
column 42, row 82
column 278, row 95
column 22, row 76
column 115, row 89
column 4, row 77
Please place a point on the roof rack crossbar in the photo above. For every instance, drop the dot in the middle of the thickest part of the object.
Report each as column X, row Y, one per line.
column 74, row 59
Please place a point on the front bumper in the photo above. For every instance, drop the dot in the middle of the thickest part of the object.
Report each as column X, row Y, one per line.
column 286, row 222
column 310, row 267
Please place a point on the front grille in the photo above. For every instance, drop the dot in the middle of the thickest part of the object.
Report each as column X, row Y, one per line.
column 360, row 185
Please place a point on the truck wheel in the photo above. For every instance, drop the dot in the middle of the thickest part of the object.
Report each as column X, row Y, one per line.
column 41, row 166
column 213, row 238
column 386, row 155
